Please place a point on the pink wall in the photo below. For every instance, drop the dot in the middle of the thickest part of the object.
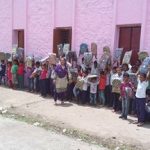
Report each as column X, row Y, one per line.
column 129, row 12
column 19, row 14
column 94, row 19
column 5, row 25
column 63, row 13
column 40, row 27
column 91, row 21
column 146, row 45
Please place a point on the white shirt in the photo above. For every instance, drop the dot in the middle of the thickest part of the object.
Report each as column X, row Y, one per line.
column 141, row 89
column 93, row 87
column 85, row 84
column 94, row 71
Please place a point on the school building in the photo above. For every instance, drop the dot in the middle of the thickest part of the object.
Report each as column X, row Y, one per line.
column 39, row 25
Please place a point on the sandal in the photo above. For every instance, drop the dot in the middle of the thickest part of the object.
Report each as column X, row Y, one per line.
column 140, row 124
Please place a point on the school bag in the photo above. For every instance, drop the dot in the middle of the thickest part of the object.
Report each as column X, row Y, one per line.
column 52, row 58
column 60, row 50
column 83, row 48
column 88, row 58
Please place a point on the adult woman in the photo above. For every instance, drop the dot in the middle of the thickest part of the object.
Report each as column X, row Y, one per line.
column 61, row 80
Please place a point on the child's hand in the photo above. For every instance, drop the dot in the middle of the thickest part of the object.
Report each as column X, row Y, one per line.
column 120, row 98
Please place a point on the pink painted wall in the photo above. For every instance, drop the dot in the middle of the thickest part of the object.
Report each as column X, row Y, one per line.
column 40, row 27
column 5, row 25
column 63, row 13
column 91, row 21
column 146, row 45
column 129, row 12
column 19, row 14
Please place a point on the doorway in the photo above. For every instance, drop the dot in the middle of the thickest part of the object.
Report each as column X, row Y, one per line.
column 21, row 38
column 129, row 39
column 61, row 36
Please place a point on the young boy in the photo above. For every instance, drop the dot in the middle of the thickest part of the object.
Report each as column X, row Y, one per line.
column 126, row 88
column 93, row 82
column 141, row 98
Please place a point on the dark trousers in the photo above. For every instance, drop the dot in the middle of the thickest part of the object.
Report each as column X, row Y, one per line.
column 60, row 96
column 48, row 86
column 70, row 91
column 84, row 98
column 140, row 107
column 43, row 87
column 52, row 87
column 30, row 84
column 37, row 84
column 108, row 96
column 116, row 102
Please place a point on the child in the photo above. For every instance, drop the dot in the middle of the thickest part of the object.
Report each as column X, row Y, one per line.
column 102, row 85
column 9, row 75
column 36, row 74
column 141, row 98
column 93, row 82
column 2, row 71
column 94, row 69
column 14, row 71
column 43, row 77
column 85, row 88
column 108, row 87
column 126, row 90
column 117, row 79
column 21, row 75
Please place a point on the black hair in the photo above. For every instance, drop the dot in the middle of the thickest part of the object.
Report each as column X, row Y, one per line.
column 143, row 74
column 102, row 72
column 37, row 63
column 126, row 75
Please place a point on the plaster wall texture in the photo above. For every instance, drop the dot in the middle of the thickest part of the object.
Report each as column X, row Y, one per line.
column 40, row 27
column 147, row 30
column 93, row 23
column 5, row 25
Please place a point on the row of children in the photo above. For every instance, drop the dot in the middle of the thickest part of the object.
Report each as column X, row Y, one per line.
column 112, row 87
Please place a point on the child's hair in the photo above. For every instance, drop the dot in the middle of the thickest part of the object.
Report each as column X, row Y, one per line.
column 102, row 73
column 20, row 62
column 2, row 61
column 44, row 65
column 126, row 75
column 37, row 63
column 143, row 75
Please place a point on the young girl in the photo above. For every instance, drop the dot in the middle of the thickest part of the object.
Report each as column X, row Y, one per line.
column 141, row 98
column 102, row 85
column 43, row 77
column 20, row 75
column 126, row 90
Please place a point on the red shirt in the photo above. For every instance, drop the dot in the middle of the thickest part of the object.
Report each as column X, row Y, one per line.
column 21, row 69
column 9, row 75
column 102, row 82
column 43, row 74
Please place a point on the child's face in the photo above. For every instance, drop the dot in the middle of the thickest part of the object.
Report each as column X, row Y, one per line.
column 119, row 70
column 125, row 79
column 142, row 78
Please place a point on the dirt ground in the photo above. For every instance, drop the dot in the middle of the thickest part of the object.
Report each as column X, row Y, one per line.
column 98, row 122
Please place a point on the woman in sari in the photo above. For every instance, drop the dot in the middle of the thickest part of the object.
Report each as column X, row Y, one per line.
column 61, row 81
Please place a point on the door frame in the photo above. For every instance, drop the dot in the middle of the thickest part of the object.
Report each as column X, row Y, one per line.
column 61, row 28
